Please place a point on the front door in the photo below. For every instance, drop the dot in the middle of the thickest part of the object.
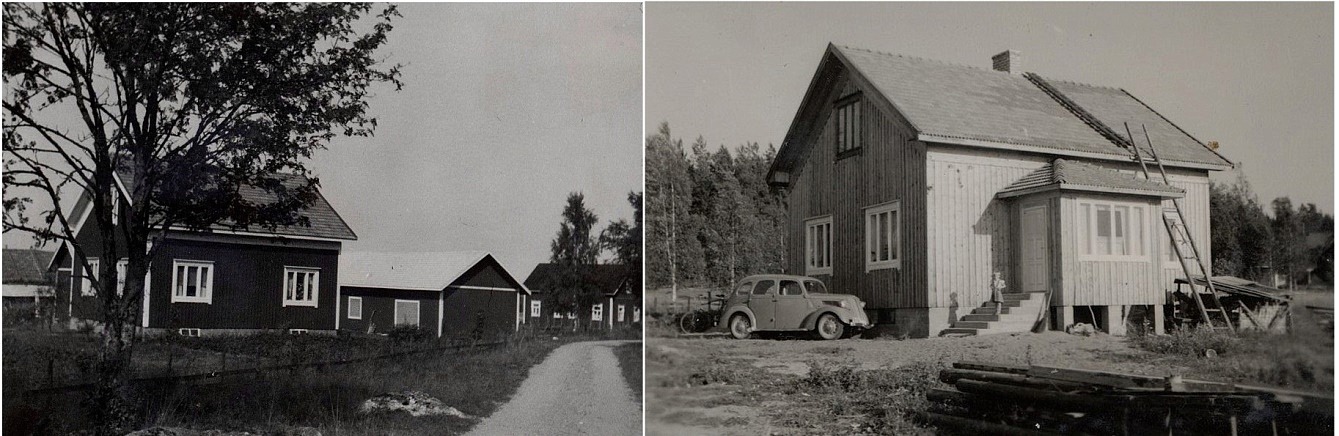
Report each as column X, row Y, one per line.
column 1036, row 249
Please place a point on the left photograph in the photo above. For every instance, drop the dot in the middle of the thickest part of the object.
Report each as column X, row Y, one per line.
column 322, row 219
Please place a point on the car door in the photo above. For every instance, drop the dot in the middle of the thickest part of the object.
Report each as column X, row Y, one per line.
column 791, row 306
column 763, row 304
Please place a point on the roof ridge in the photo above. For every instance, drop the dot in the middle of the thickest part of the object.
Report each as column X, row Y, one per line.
column 917, row 58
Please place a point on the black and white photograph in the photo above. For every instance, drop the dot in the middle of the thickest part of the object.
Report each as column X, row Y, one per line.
column 989, row 218
column 322, row 218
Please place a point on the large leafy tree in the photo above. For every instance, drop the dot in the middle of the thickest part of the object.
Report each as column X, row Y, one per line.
column 624, row 240
column 186, row 102
column 574, row 249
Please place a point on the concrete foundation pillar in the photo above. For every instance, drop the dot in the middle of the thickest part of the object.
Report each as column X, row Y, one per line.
column 1115, row 320
column 1064, row 316
column 1159, row 323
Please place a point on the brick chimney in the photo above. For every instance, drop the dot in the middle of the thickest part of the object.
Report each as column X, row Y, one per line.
column 1009, row 61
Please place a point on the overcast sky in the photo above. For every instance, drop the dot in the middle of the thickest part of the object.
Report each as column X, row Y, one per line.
column 506, row 108
column 1257, row 78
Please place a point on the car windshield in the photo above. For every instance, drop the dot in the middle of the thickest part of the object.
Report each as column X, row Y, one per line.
column 764, row 287
column 790, row 287
column 815, row 287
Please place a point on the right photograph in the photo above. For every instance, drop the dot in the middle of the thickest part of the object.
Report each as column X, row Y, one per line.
column 989, row 218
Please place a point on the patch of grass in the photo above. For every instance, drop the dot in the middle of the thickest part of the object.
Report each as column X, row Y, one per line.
column 630, row 362
column 877, row 401
column 831, row 350
column 1299, row 359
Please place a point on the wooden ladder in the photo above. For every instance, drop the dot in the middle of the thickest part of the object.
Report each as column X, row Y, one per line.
column 1210, row 308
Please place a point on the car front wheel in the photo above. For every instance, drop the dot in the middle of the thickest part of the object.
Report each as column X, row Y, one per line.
column 740, row 326
column 829, row 327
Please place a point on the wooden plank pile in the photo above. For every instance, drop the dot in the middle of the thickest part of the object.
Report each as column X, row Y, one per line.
column 989, row 398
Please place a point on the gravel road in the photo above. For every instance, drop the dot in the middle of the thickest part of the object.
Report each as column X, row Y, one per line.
column 577, row 390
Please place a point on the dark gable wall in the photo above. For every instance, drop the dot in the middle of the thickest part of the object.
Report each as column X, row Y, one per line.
column 379, row 309
column 90, row 239
column 248, row 287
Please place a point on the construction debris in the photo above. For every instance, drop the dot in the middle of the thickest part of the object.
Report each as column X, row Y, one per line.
column 990, row 398
column 1246, row 304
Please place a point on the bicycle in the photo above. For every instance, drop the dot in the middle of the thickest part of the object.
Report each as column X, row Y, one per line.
column 703, row 319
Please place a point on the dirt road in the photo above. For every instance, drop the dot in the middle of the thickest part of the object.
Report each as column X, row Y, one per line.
column 577, row 390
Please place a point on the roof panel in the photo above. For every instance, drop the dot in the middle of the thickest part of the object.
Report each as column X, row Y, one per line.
column 421, row 271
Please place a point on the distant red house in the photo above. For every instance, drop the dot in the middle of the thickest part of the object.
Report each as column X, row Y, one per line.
column 26, row 280
column 454, row 294
column 620, row 304
column 220, row 280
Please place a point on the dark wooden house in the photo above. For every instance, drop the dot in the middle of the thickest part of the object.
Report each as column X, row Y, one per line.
column 619, row 302
column 220, row 280
column 452, row 294
column 917, row 185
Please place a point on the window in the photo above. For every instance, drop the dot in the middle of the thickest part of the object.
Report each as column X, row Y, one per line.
column 534, row 309
column 406, row 312
column 848, row 126
column 790, row 287
column 815, row 287
column 1111, row 231
column 301, row 286
column 636, row 314
column 818, row 246
column 883, row 234
column 192, row 281
column 557, row 315
column 86, row 286
column 572, row 315
column 764, row 287
column 355, row 307
column 620, row 313
column 597, row 312
column 116, row 205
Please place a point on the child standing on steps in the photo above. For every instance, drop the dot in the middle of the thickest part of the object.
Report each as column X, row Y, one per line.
column 997, row 292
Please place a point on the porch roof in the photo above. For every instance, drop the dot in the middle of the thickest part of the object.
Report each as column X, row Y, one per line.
column 1069, row 175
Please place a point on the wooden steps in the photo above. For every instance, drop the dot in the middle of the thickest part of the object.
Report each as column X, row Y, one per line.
column 1018, row 313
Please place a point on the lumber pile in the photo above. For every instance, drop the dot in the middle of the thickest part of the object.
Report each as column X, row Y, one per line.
column 989, row 398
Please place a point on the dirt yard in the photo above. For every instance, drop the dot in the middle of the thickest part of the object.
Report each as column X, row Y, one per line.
column 865, row 386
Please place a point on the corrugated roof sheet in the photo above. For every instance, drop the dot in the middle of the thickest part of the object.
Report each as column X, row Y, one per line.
column 324, row 221
column 420, row 271
column 25, row 266
column 604, row 277
column 1076, row 175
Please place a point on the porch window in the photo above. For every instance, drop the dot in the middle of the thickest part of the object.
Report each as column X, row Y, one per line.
column 818, row 246
column 534, row 309
column 596, row 312
column 301, row 286
column 1111, row 231
column 86, row 286
column 406, row 312
column 883, row 231
column 848, row 126
column 192, row 281
column 355, row 307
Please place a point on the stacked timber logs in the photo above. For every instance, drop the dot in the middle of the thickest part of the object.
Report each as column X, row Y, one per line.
column 1011, row 399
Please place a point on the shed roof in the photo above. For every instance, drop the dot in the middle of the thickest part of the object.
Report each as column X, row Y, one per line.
column 412, row 271
column 1072, row 175
column 27, row 266
column 607, row 278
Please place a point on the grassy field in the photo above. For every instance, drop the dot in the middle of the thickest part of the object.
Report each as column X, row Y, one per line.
column 630, row 361
column 474, row 381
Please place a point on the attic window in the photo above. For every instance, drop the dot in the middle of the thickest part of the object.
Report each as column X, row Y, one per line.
column 848, row 126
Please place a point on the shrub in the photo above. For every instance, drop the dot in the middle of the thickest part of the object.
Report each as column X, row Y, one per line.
column 408, row 333
column 1190, row 342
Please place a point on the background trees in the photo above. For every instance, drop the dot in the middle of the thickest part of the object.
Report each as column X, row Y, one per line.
column 1293, row 242
column 712, row 217
column 186, row 102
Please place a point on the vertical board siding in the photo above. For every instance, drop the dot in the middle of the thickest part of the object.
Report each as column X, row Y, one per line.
column 1196, row 207
column 889, row 166
column 1103, row 282
column 970, row 230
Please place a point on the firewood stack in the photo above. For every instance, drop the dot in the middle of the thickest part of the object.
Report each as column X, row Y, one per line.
column 998, row 399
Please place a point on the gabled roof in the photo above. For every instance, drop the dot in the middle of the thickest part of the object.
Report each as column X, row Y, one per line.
column 411, row 271
column 23, row 266
column 1068, row 175
column 607, row 278
column 956, row 104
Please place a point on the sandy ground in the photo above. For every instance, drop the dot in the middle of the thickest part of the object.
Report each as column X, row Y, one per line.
column 675, row 406
column 577, row 390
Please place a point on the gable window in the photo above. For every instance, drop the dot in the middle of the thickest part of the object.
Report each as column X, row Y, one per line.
column 597, row 312
column 848, row 126
column 818, row 246
column 406, row 312
column 534, row 309
column 301, row 286
column 355, row 307
column 192, row 281
column 1111, row 231
column 883, row 234
column 86, row 286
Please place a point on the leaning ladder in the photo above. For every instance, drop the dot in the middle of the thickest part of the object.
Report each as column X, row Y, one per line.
column 1174, row 219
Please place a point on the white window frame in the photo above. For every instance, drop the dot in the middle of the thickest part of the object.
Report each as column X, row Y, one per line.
column 572, row 315
column 418, row 313
column 597, row 312
column 350, row 313
column 636, row 314
column 846, row 116
column 818, row 262
column 86, row 284
column 619, row 312
column 116, row 204
column 536, row 307
column 205, row 281
column 121, row 267
column 312, row 282
column 557, row 315
column 872, row 238
column 1135, row 219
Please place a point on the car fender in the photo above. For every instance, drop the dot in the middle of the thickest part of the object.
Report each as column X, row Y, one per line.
column 811, row 320
column 730, row 312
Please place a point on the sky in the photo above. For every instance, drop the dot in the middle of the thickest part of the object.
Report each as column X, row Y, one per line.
column 1257, row 78
column 506, row 108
